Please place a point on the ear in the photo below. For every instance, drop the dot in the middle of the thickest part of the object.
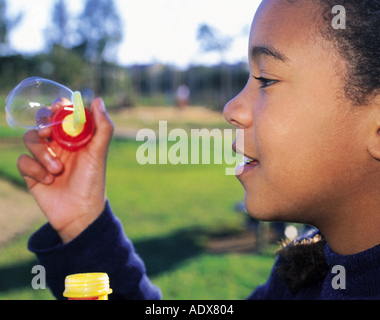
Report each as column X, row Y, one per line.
column 373, row 145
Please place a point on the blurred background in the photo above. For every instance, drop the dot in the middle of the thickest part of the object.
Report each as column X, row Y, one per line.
column 137, row 52
column 151, row 61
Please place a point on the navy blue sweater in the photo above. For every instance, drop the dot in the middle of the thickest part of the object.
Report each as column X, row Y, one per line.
column 104, row 247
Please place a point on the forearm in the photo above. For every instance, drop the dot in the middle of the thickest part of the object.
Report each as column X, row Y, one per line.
column 102, row 247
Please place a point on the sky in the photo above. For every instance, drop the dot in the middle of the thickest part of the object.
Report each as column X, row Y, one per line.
column 161, row 31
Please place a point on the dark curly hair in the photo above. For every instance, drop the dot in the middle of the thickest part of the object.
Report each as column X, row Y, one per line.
column 302, row 263
column 358, row 44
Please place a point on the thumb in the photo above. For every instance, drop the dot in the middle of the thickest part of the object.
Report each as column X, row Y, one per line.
column 103, row 124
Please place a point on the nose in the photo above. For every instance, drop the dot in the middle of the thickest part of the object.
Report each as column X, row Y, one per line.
column 239, row 111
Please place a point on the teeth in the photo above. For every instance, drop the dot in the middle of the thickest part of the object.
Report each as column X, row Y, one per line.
column 247, row 160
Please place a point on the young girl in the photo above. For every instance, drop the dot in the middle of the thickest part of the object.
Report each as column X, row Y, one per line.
column 310, row 115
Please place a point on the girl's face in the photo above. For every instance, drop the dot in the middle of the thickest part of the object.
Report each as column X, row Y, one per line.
column 304, row 137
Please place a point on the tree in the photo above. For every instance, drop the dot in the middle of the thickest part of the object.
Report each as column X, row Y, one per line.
column 212, row 40
column 60, row 32
column 6, row 25
column 63, row 63
column 100, row 28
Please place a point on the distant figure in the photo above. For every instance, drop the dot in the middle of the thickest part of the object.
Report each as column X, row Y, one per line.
column 182, row 96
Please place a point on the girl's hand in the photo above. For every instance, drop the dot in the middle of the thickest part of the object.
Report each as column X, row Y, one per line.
column 69, row 186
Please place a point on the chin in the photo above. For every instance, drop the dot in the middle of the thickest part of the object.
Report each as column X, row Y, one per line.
column 259, row 212
column 268, row 211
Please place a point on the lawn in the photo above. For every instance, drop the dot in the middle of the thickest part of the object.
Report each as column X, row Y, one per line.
column 170, row 212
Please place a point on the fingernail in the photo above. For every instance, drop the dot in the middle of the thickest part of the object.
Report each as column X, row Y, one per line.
column 55, row 166
column 43, row 117
column 102, row 104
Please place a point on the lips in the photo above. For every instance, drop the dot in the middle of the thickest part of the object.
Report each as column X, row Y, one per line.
column 249, row 164
column 250, row 161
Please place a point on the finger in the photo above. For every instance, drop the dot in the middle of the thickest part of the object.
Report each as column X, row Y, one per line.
column 43, row 117
column 33, row 172
column 61, row 103
column 41, row 151
column 45, row 133
column 104, row 125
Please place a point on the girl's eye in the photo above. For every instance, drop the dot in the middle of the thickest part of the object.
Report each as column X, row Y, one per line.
column 265, row 83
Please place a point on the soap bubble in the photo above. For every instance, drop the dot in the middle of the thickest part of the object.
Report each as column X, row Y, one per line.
column 29, row 103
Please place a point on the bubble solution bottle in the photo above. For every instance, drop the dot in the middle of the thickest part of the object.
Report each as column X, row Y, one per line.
column 87, row 286
column 30, row 106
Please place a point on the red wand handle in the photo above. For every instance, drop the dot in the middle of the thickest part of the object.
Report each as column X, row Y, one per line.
column 67, row 135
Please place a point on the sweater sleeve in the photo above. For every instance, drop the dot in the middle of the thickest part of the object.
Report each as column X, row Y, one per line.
column 102, row 247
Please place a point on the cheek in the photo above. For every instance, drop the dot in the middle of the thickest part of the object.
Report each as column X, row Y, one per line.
column 282, row 137
column 322, row 168
column 298, row 153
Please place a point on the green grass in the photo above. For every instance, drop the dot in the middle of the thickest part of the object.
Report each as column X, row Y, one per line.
column 214, row 277
column 169, row 212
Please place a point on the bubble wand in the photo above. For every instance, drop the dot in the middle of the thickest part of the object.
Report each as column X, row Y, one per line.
column 29, row 106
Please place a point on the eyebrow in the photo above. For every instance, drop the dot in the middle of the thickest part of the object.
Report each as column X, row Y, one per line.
column 269, row 52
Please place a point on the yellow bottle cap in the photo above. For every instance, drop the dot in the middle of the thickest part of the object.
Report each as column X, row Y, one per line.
column 87, row 285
